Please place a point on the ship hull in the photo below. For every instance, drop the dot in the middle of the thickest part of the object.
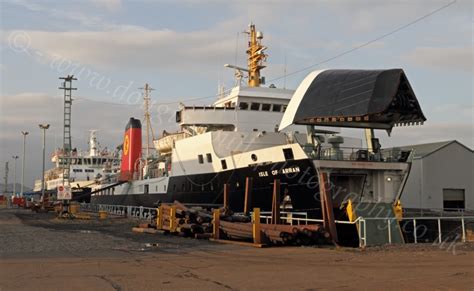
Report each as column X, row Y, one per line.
column 297, row 177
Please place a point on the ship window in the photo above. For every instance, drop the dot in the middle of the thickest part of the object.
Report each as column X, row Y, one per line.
column 178, row 116
column 209, row 158
column 284, row 108
column 255, row 106
column 201, row 159
column 79, row 161
column 145, row 190
column 276, row 108
column 243, row 105
column 266, row 107
column 288, row 154
column 94, row 161
column 253, row 157
column 224, row 164
column 77, row 170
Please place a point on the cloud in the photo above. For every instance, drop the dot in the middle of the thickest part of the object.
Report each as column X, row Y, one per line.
column 134, row 48
column 110, row 5
column 461, row 110
column 442, row 58
column 432, row 132
column 26, row 110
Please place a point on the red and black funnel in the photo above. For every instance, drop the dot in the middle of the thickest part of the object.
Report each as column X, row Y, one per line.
column 132, row 149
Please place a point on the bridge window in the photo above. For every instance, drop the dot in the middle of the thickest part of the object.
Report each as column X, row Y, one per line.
column 209, row 158
column 224, row 164
column 266, row 107
column 255, row 106
column 201, row 159
column 146, row 189
column 284, row 108
column 243, row 106
column 288, row 154
column 276, row 108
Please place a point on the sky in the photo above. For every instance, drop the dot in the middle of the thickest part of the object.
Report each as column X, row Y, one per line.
column 114, row 47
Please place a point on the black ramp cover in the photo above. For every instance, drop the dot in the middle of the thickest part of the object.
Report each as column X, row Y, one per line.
column 359, row 98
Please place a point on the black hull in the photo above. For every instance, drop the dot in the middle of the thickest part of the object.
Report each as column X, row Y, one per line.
column 298, row 179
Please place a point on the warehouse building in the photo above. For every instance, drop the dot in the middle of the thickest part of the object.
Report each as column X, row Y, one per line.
column 441, row 177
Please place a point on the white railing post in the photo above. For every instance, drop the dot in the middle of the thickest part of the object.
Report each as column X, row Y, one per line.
column 389, row 231
column 463, row 230
column 141, row 212
column 414, row 231
column 365, row 233
column 439, row 230
column 360, row 233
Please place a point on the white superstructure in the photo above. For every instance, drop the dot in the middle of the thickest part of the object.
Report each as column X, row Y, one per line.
column 85, row 167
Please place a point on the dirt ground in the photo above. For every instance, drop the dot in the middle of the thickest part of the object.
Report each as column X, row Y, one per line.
column 39, row 252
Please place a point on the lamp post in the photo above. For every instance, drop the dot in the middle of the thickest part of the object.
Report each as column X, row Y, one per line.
column 14, row 174
column 44, row 127
column 24, row 133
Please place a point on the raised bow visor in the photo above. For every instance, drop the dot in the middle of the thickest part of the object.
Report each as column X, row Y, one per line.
column 378, row 99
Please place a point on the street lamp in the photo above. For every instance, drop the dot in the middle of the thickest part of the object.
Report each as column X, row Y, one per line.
column 25, row 133
column 44, row 127
column 14, row 174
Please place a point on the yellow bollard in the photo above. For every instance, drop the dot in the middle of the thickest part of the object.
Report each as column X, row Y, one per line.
column 73, row 208
column 256, row 226
column 173, row 219
column 398, row 210
column 159, row 221
column 216, row 223
column 102, row 214
column 350, row 211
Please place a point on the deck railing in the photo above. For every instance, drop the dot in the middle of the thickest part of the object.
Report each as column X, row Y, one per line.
column 433, row 229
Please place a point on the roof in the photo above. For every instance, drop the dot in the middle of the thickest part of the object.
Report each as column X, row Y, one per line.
column 426, row 149
column 377, row 99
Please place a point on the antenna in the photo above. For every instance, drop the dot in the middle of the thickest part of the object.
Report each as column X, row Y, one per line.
column 67, row 144
column 146, row 98
column 5, row 188
column 284, row 74
column 236, row 47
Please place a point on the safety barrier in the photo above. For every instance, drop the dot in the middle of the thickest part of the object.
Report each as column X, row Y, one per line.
column 415, row 229
column 139, row 212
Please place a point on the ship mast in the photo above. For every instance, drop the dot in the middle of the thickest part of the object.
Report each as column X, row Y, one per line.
column 149, row 130
column 256, row 57
column 67, row 145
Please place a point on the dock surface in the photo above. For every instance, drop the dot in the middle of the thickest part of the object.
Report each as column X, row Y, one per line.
column 40, row 252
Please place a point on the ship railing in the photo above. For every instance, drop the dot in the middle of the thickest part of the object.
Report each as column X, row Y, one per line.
column 360, row 154
column 426, row 229
column 139, row 212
